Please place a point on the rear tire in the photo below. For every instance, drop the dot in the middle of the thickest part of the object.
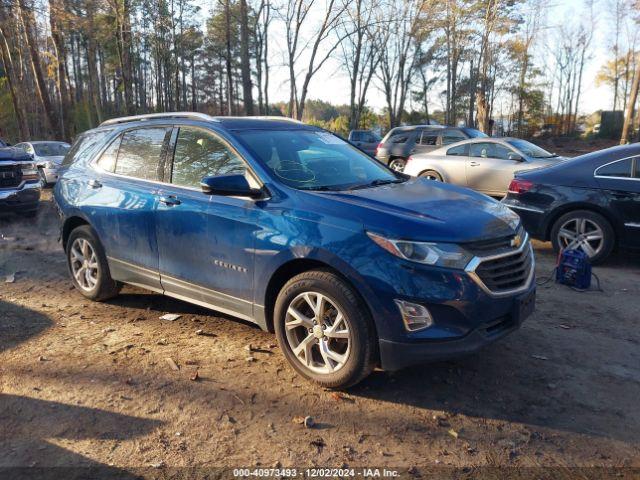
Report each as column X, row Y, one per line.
column 584, row 230
column 397, row 164
column 317, row 314
column 88, row 265
column 431, row 175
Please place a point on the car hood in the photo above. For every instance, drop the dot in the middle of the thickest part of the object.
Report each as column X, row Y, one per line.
column 14, row 154
column 420, row 209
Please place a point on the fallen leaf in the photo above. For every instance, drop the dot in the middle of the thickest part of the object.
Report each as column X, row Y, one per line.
column 453, row 433
column 170, row 317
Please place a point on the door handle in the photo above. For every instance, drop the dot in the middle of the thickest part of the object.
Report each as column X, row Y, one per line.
column 474, row 164
column 95, row 183
column 170, row 200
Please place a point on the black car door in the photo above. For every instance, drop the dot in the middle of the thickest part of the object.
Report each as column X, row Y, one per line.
column 620, row 183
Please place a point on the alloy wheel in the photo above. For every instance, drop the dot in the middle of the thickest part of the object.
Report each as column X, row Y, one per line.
column 84, row 264
column 318, row 333
column 581, row 233
column 397, row 165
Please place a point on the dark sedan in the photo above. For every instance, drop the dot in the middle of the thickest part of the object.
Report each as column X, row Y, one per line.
column 591, row 202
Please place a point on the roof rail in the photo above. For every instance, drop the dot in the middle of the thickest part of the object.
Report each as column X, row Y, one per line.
column 258, row 117
column 154, row 116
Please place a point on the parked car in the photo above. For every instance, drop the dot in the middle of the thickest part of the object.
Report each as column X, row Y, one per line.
column 365, row 140
column 401, row 142
column 292, row 228
column 484, row 164
column 591, row 202
column 19, row 182
column 48, row 157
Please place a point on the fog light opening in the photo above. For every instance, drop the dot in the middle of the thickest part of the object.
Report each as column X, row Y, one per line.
column 415, row 316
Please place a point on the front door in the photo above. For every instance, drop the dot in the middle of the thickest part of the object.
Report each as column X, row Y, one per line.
column 490, row 167
column 205, row 241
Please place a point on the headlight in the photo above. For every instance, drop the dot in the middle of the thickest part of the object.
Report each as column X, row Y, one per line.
column 448, row 255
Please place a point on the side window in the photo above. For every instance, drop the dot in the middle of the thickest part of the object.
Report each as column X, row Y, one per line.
column 141, row 153
column 460, row 150
column 637, row 163
column 199, row 154
column 489, row 150
column 452, row 136
column 620, row 169
column 107, row 160
column 429, row 138
column 356, row 136
column 399, row 138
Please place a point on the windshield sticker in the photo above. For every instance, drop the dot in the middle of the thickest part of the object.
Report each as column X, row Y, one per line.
column 330, row 139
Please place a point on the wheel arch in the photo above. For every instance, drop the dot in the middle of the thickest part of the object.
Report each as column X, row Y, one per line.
column 590, row 207
column 70, row 224
column 296, row 266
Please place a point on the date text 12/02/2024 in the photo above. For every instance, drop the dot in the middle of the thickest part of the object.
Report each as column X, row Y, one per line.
column 316, row 472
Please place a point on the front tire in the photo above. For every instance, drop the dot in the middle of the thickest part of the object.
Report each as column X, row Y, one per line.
column 431, row 175
column 584, row 230
column 324, row 330
column 397, row 164
column 88, row 265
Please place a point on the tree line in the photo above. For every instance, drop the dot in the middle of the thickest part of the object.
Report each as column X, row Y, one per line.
column 497, row 65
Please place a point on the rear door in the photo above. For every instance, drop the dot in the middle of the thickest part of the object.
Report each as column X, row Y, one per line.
column 121, row 197
column 450, row 136
column 490, row 167
column 205, row 241
column 426, row 141
column 620, row 182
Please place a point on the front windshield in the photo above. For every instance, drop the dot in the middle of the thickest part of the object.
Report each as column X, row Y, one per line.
column 530, row 150
column 51, row 149
column 315, row 160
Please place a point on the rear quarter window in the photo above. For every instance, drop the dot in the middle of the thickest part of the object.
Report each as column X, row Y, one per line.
column 619, row 169
column 84, row 145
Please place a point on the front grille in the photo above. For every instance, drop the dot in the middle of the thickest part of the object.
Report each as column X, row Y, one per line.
column 10, row 176
column 507, row 272
column 494, row 245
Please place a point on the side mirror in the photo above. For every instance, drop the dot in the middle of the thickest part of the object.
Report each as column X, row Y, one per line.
column 515, row 157
column 229, row 185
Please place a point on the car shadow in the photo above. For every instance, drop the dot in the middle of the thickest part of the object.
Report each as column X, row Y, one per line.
column 26, row 453
column 19, row 324
column 507, row 381
column 162, row 304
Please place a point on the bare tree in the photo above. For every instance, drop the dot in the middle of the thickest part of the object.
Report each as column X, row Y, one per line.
column 296, row 13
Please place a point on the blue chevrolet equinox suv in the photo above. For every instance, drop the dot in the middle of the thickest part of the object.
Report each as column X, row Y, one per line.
column 286, row 225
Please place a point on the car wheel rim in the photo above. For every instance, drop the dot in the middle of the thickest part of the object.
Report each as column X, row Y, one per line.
column 318, row 333
column 581, row 234
column 84, row 264
column 397, row 166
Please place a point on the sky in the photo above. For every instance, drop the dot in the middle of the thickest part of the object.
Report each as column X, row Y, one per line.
column 331, row 83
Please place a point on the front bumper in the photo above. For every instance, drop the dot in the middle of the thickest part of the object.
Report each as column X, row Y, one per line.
column 398, row 355
column 466, row 313
column 24, row 198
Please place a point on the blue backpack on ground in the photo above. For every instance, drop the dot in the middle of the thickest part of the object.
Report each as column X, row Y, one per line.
column 574, row 269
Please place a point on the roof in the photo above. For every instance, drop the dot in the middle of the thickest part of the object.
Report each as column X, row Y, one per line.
column 38, row 142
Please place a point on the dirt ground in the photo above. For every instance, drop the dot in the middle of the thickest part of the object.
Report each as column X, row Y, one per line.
column 88, row 384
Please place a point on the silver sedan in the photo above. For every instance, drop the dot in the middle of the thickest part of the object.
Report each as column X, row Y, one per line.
column 483, row 164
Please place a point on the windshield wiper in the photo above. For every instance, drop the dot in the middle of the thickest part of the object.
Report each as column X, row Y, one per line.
column 376, row 183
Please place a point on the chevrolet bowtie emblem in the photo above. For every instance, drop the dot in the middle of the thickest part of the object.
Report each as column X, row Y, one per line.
column 516, row 241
